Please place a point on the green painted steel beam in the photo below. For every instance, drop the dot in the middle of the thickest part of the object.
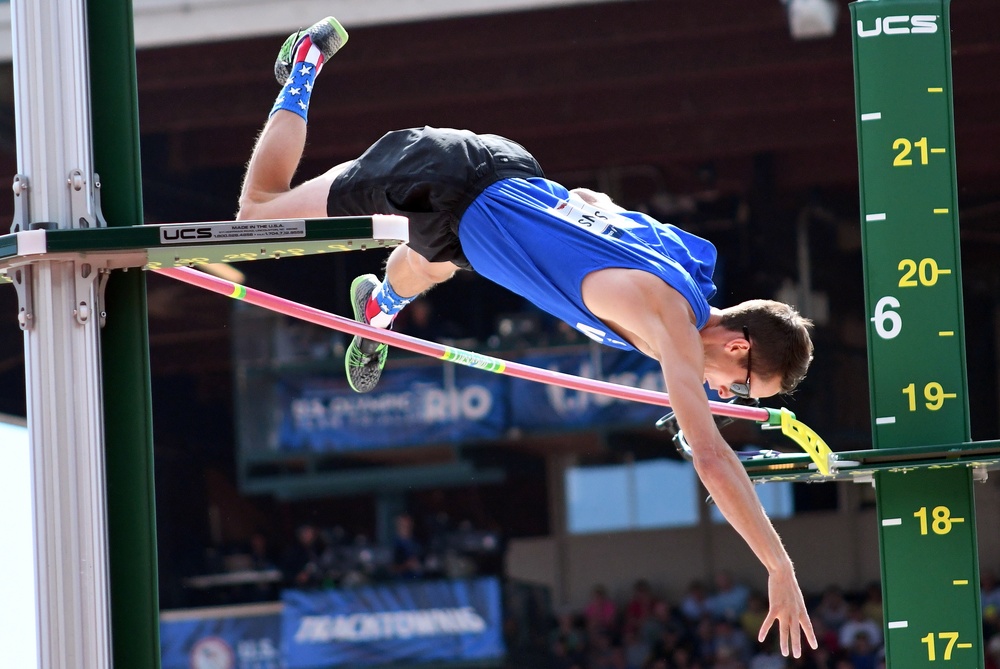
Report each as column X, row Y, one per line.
column 187, row 244
column 126, row 380
column 854, row 465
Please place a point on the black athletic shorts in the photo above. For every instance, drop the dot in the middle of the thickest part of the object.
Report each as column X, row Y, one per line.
column 431, row 176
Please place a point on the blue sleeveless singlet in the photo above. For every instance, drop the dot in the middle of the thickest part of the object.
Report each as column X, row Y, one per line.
column 532, row 237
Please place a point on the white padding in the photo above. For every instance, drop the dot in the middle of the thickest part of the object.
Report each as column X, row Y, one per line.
column 30, row 242
column 388, row 226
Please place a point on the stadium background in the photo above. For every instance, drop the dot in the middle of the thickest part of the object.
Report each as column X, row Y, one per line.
column 708, row 115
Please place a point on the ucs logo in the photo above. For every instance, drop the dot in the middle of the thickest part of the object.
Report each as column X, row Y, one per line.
column 900, row 25
column 176, row 234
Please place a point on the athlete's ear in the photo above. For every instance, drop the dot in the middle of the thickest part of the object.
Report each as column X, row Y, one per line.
column 737, row 344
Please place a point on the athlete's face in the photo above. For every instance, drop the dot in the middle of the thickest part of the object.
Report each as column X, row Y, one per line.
column 722, row 381
column 730, row 373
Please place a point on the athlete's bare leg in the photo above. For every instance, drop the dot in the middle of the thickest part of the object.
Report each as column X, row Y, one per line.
column 410, row 274
column 267, row 191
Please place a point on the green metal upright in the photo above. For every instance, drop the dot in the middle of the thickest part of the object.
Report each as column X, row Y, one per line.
column 125, row 345
column 917, row 370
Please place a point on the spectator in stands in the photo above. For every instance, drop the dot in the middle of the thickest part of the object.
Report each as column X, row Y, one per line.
column 730, row 636
column 990, row 594
column 705, row 640
column 669, row 640
column 260, row 561
column 729, row 600
column 562, row 658
column 754, row 615
column 662, row 619
column 863, row 651
column 828, row 638
column 302, row 563
column 640, row 607
column 832, row 608
column 600, row 613
column 260, row 556
column 872, row 606
column 569, row 632
column 636, row 649
column 767, row 655
column 682, row 657
column 407, row 554
column 603, row 654
column 726, row 658
column 992, row 652
column 857, row 624
column 694, row 605
column 842, row 662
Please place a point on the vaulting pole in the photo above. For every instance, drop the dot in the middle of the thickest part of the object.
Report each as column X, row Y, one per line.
column 447, row 353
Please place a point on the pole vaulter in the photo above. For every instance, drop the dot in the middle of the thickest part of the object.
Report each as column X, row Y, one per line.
column 810, row 442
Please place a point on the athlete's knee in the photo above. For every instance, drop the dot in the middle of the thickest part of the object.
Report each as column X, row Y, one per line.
column 247, row 209
column 253, row 204
column 432, row 272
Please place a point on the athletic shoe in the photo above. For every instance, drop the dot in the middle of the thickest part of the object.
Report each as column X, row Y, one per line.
column 328, row 36
column 365, row 358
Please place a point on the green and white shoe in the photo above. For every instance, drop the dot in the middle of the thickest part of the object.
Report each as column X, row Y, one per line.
column 365, row 358
column 328, row 36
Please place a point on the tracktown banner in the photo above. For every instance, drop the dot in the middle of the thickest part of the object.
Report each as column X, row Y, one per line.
column 438, row 621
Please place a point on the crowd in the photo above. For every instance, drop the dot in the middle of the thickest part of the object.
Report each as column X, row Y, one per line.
column 328, row 557
column 712, row 628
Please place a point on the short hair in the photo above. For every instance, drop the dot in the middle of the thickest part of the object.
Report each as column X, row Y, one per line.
column 779, row 336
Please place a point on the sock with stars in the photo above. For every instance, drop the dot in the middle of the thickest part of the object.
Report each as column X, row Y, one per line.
column 295, row 94
column 384, row 304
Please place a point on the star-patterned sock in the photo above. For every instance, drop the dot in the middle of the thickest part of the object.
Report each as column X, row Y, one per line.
column 295, row 94
column 384, row 304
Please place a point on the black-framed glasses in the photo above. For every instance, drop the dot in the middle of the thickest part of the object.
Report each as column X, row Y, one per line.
column 743, row 389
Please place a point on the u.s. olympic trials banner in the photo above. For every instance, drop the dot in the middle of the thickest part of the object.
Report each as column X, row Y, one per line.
column 412, row 405
column 421, row 404
column 436, row 621
column 245, row 637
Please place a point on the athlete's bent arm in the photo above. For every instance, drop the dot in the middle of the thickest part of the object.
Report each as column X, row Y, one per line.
column 659, row 321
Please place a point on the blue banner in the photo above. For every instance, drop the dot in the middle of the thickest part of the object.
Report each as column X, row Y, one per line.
column 419, row 403
column 414, row 405
column 442, row 621
column 234, row 639
column 537, row 406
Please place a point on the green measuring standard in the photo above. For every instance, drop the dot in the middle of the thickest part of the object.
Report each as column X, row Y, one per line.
column 916, row 343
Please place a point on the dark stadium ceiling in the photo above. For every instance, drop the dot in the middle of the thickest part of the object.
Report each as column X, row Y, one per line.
column 659, row 83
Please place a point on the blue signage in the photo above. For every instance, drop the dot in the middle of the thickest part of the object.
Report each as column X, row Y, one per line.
column 440, row 621
column 245, row 638
column 537, row 406
column 414, row 405
column 420, row 404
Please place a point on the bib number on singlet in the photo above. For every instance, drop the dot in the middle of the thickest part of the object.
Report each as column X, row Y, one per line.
column 588, row 217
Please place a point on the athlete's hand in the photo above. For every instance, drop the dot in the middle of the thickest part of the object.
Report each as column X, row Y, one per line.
column 788, row 609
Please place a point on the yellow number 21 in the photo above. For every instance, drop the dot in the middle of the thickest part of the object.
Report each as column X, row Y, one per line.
column 904, row 146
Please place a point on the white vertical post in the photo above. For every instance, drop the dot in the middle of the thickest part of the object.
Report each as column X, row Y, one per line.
column 61, row 339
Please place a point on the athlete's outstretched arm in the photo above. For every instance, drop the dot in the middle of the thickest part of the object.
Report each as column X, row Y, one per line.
column 659, row 321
